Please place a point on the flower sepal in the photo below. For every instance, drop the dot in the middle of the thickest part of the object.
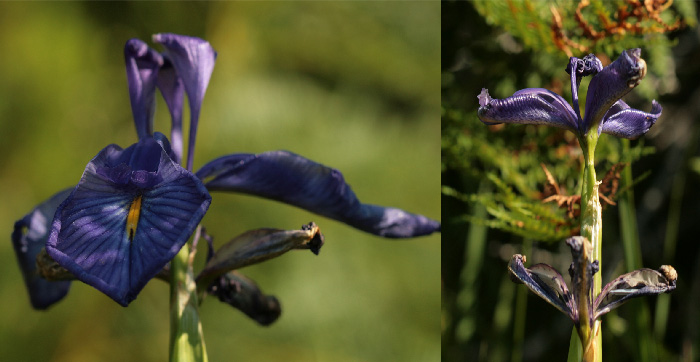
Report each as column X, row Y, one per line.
column 548, row 284
column 298, row 181
column 256, row 246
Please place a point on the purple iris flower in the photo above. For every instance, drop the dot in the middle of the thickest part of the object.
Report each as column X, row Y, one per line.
column 604, row 108
column 135, row 208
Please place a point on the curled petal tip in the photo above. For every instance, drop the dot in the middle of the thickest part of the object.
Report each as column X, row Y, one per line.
column 669, row 272
column 317, row 240
column 590, row 64
column 484, row 98
column 135, row 47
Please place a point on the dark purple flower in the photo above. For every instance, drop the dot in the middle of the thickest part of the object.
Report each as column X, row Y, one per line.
column 604, row 108
column 131, row 212
column 28, row 239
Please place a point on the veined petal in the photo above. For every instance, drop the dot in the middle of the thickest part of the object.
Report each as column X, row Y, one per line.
column 528, row 106
column 28, row 238
column 193, row 59
column 295, row 180
column 638, row 283
column 131, row 212
column 171, row 87
column 142, row 65
column 611, row 83
column 625, row 122
column 546, row 282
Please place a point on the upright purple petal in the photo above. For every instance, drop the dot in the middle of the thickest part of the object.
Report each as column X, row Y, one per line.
column 131, row 212
column 142, row 65
column 292, row 179
column 613, row 82
column 528, row 106
column 171, row 87
column 193, row 59
column 577, row 69
column 28, row 238
column 625, row 122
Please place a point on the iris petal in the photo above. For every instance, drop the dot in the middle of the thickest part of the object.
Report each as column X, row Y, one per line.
column 623, row 121
column 142, row 65
column 292, row 179
column 171, row 87
column 577, row 69
column 546, row 282
column 610, row 84
column 528, row 106
column 28, row 238
column 116, row 233
column 244, row 294
column 193, row 59
column 635, row 284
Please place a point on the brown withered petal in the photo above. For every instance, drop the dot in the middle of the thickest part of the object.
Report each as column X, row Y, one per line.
column 546, row 282
column 244, row 294
column 638, row 283
column 259, row 245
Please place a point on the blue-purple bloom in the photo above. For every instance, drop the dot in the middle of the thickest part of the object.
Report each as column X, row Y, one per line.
column 604, row 108
column 135, row 208
column 130, row 214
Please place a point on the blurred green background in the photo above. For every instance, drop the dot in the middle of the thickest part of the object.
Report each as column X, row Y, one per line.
column 351, row 85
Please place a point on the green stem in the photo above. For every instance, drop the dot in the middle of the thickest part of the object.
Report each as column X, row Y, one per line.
column 186, row 339
column 591, row 229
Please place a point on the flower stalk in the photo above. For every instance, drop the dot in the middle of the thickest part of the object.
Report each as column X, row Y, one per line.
column 591, row 229
column 186, row 337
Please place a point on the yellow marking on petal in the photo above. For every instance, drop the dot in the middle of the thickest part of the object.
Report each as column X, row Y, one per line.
column 132, row 219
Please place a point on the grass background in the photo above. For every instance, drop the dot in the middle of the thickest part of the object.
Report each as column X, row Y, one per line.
column 351, row 85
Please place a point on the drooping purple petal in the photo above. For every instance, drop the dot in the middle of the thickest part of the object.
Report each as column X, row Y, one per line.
column 28, row 238
column 193, row 59
column 611, row 84
column 142, row 65
column 295, row 180
column 528, row 106
column 131, row 212
column 577, row 69
column 171, row 87
column 623, row 121
column 638, row 283
column 546, row 282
